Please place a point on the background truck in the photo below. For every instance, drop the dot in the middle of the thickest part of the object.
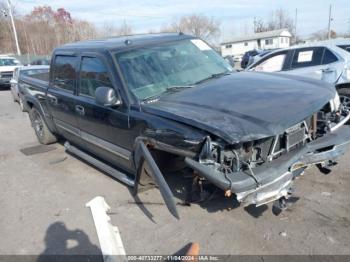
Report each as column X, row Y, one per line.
column 7, row 66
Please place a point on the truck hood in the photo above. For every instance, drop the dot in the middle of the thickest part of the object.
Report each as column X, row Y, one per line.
column 8, row 68
column 245, row 106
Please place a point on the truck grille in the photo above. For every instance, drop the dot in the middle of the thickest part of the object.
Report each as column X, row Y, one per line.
column 294, row 138
column 6, row 74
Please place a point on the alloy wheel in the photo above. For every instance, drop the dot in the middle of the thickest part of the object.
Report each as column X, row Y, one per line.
column 38, row 124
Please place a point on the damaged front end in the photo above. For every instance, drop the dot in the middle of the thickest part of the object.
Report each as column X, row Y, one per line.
column 261, row 171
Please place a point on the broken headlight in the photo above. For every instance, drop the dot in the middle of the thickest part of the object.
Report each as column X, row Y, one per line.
column 234, row 157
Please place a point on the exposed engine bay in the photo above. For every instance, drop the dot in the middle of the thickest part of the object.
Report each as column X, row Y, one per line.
column 248, row 158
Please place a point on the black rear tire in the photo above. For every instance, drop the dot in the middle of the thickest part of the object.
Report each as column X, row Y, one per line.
column 42, row 132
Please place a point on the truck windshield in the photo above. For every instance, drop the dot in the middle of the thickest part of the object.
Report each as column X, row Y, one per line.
column 8, row 62
column 153, row 70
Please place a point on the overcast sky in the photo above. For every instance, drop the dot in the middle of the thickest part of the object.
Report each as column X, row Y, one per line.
column 236, row 16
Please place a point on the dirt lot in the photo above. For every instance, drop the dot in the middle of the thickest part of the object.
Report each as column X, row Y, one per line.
column 43, row 211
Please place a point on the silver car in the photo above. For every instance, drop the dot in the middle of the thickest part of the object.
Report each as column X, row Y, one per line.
column 326, row 60
column 24, row 71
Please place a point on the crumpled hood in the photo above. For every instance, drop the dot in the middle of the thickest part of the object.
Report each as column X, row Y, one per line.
column 245, row 106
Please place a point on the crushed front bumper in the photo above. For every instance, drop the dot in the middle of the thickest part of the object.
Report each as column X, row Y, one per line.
column 273, row 180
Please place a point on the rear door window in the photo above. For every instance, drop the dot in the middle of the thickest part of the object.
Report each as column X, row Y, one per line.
column 64, row 72
column 345, row 47
column 305, row 57
column 93, row 74
column 328, row 57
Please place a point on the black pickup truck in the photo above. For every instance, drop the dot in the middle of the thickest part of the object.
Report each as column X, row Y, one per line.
column 138, row 107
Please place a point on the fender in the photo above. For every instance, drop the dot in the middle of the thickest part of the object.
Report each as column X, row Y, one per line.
column 46, row 117
column 156, row 174
column 160, row 146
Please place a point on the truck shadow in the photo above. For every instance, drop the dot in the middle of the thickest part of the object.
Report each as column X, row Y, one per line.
column 68, row 245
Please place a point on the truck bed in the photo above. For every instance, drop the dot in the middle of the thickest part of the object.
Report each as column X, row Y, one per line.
column 39, row 82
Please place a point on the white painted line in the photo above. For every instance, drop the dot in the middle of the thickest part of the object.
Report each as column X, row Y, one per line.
column 108, row 235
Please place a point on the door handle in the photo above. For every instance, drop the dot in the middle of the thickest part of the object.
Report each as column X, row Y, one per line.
column 53, row 100
column 328, row 70
column 80, row 110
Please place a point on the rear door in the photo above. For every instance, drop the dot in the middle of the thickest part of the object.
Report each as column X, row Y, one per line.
column 61, row 95
column 315, row 62
column 105, row 130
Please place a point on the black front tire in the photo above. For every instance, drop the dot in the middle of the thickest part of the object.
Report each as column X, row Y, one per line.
column 42, row 132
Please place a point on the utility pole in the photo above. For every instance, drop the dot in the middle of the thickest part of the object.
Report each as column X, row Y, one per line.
column 254, row 24
column 329, row 21
column 295, row 25
column 13, row 27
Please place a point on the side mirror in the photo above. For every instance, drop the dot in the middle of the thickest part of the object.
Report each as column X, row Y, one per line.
column 106, row 96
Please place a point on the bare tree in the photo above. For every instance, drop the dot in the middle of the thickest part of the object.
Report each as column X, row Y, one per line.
column 279, row 19
column 6, row 34
column 323, row 35
column 84, row 30
column 259, row 26
column 199, row 25
column 109, row 29
column 42, row 30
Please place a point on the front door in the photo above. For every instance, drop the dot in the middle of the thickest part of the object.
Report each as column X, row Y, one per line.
column 105, row 130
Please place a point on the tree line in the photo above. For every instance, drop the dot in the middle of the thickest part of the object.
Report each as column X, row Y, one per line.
column 44, row 28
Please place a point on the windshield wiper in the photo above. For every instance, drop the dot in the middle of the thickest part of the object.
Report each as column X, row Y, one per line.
column 213, row 76
column 175, row 88
column 170, row 89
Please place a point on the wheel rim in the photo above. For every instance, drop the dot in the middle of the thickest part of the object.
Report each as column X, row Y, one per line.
column 38, row 124
column 345, row 101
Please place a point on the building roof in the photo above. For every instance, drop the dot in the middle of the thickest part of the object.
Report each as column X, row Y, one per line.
column 121, row 42
column 262, row 35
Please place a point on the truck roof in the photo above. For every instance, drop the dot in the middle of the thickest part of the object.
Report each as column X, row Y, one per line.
column 123, row 42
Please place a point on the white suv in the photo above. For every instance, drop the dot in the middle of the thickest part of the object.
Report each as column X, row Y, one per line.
column 327, row 60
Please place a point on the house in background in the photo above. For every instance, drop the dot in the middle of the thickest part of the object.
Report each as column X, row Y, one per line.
column 264, row 40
